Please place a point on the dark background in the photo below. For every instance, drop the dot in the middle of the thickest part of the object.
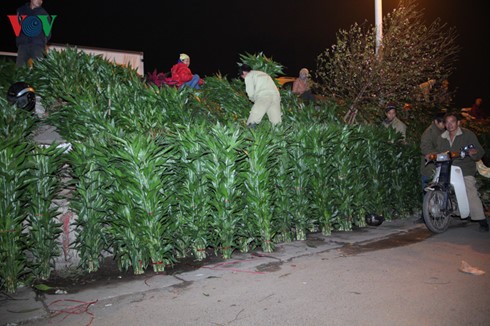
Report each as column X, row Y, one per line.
column 215, row 32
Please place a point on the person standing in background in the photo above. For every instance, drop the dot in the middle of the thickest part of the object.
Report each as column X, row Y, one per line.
column 31, row 42
column 392, row 120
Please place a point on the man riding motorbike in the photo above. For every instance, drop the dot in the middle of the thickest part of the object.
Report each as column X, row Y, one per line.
column 453, row 139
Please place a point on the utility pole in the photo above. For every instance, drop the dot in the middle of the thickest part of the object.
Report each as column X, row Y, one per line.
column 378, row 17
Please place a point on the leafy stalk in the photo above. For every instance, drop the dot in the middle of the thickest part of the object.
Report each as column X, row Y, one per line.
column 44, row 228
column 259, row 185
column 194, row 194
column 14, row 178
column 223, row 168
column 300, row 184
column 89, row 202
column 142, row 230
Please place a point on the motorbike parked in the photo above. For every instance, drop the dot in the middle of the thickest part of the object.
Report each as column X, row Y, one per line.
column 445, row 197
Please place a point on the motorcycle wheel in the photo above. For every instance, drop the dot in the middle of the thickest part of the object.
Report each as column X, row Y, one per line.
column 436, row 210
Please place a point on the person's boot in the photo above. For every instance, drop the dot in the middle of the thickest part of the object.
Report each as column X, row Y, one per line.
column 483, row 226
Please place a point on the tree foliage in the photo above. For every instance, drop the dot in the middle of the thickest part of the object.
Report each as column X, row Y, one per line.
column 411, row 54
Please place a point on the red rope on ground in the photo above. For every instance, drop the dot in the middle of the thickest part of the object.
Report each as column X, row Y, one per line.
column 72, row 310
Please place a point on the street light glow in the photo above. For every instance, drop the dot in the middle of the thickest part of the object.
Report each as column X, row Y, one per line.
column 378, row 18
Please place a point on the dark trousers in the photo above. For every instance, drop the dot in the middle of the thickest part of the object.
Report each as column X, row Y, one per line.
column 308, row 97
column 425, row 182
column 28, row 51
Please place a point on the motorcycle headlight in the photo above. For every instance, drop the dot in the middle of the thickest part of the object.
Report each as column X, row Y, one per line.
column 442, row 157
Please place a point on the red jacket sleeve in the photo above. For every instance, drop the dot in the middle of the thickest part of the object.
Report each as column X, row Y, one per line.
column 181, row 73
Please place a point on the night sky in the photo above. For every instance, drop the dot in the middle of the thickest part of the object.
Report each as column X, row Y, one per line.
column 215, row 32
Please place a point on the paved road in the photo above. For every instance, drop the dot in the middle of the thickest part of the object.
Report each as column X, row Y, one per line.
column 396, row 281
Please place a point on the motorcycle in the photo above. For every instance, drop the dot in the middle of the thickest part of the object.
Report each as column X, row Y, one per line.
column 445, row 197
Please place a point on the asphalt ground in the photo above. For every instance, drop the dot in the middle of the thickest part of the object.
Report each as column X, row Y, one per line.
column 28, row 305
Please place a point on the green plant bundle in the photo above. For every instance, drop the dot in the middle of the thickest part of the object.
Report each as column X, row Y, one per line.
column 300, row 183
column 44, row 188
column 14, row 122
column 7, row 74
column 323, row 155
column 394, row 173
column 362, row 158
column 14, row 180
column 142, row 232
column 149, row 109
column 348, row 178
column 63, row 76
column 78, row 88
column 84, row 112
column 89, row 201
column 283, row 218
column 405, row 195
column 226, row 100
column 194, row 195
column 325, row 112
column 263, row 63
column 261, row 150
column 373, row 154
column 177, row 105
column 223, row 168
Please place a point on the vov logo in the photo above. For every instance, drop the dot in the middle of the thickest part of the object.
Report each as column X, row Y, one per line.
column 32, row 26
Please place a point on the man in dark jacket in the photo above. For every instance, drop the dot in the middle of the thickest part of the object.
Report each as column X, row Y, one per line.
column 453, row 139
column 32, row 40
column 428, row 143
column 393, row 121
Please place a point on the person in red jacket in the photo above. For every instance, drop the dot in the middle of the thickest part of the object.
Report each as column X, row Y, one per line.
column 182, row 75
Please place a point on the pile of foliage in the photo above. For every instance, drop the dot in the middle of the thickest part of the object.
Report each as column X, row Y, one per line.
column 159, row 173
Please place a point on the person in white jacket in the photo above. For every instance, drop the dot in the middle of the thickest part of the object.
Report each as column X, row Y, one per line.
column 261, row 90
